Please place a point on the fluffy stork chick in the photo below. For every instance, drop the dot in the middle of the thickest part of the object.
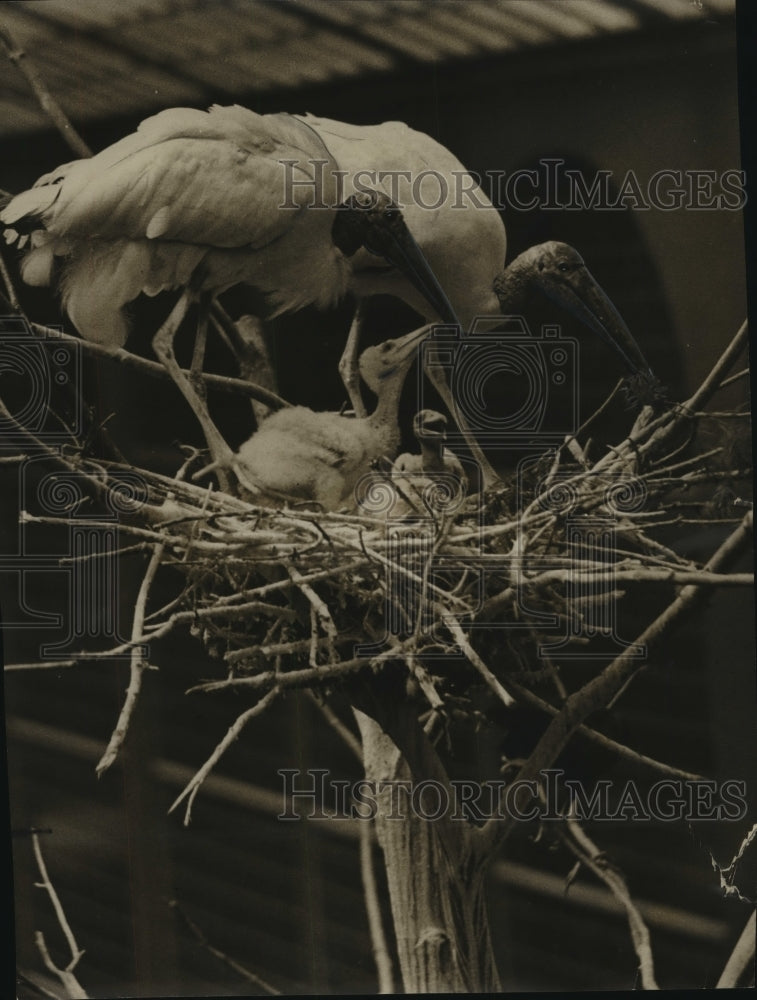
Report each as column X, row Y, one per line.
column 435, row 477
column 299, row 454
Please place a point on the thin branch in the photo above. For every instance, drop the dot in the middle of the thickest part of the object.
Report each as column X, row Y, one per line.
column 290, row 679
column 589, row 855
column 319, row 613
column 235, row 729
column 156, row 370
column 138, row 665
column 475, row 660
column 602, row 689
column 740, row 957
column 379, row 944
column 626, row 752
column 381, row 953
column 46, row 100
column 734, row 378
column 241, row 970
column 66, row 976
column 712, row 382
column 346, row 734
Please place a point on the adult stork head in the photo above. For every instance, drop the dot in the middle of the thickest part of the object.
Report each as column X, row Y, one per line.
column 372, row 220
column 559, row 272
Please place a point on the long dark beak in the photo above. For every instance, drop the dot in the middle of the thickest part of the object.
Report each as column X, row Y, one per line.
column 396, row 244
column 580, row 294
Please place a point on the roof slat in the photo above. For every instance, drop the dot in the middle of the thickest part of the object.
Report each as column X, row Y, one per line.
column 107, row 57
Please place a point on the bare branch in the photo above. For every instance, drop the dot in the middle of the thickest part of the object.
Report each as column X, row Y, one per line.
column 712, row 382
column 601, row 690
column 475, row 660
column 590, row 855
column 634, row 756
column 66, row 976
column 138, row 665
column 241, row 970
column 154, row 369
column 740, row 957
column 347, row 736
column 46, row 100
column 379, row 944
column 193, row 787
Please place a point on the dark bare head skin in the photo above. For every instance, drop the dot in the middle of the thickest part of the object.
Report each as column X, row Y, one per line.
column 372, row 220
column 558, row 271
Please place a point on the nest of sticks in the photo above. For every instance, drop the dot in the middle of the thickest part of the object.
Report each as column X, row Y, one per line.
column 467, row 593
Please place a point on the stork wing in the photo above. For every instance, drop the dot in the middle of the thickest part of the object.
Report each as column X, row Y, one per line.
column 215, row 178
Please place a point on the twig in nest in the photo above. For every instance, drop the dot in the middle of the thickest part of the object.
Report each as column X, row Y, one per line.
column 319, row 613
column 425, row 682
column 475, row 660
column 66, row 976
column 290, row 679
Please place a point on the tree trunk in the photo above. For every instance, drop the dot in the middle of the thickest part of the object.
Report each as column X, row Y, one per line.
column 435, row 879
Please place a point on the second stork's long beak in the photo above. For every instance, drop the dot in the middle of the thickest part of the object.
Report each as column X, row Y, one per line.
column 385, row 234
column 401, row 249
column 581, row 295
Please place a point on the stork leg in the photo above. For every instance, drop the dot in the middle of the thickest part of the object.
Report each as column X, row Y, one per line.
column 198, row 352
column 162, row 344
column 439, row 381
column 255, row 364
column 348, row 365
column 245, row 340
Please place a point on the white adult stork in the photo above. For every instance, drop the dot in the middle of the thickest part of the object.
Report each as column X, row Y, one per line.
column 203, row 201
column 302, row 454
column 206, row 200
column 463, row 239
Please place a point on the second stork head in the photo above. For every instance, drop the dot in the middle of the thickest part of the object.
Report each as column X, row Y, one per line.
column 559, row 272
